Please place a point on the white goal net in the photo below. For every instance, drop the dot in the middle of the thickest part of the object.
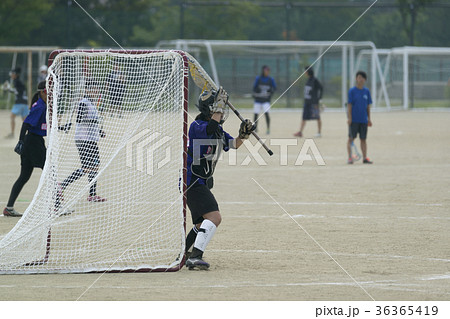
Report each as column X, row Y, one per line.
column 110, row 197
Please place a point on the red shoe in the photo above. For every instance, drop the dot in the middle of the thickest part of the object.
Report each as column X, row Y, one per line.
column 96, row 199
column 350, row 160
column 298, row 134
column 367, row 161
column 11, row 212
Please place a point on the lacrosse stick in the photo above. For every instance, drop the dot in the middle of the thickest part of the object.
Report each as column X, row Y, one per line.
column 204, row 82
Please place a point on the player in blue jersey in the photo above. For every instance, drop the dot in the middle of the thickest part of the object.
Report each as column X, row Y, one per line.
column 31, row 146
column 358, row 112
column 206, row 141
column 20, row 107
column 87, row 134
column 313, row 92
column 263, row 88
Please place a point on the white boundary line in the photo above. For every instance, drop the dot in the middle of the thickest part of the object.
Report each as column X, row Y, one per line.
column 253, row 203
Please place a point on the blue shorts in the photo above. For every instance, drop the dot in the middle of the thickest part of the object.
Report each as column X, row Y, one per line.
column 20, row 109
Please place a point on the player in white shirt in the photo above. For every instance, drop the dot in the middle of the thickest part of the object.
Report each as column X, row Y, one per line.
column 87, row 134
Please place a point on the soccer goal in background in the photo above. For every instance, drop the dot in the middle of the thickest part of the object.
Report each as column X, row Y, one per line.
column 415, row 77
column 397, row 78
column 117, row 122
column 234, row 64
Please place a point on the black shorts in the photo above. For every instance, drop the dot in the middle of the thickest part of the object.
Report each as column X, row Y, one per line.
column 311, row 112
column 89, row 154
column 34, row 151
column 356, row 128
column 200, row 201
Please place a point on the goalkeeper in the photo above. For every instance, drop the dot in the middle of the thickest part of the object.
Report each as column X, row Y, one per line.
column 31, row 146
column 206, row 141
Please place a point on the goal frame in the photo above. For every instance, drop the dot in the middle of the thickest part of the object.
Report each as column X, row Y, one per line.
column 48, row 249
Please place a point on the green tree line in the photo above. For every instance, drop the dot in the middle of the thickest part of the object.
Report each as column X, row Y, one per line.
column 142, row 23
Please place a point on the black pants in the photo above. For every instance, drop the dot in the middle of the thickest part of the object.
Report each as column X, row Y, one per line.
column 25, row 173
column 33, row 155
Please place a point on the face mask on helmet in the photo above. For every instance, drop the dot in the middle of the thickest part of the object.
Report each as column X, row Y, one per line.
column 206, row 104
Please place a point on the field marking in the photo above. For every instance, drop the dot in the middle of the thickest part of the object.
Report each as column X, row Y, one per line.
column 292, row 203
column 329, row 203
column 364, row 255
column 314, row 216
column 437, row 277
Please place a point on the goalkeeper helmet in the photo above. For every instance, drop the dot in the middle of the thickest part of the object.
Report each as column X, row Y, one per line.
column 206, row 105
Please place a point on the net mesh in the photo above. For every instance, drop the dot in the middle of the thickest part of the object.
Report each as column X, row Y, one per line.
column 111, row 192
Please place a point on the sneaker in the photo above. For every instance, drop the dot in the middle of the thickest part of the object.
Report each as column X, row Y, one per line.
column 188, row 254
column 197, row 263
column 298, row 134
column 350, row 161
column 367, row 161
column 11, row 212
column 96, row 199
column 318, row 135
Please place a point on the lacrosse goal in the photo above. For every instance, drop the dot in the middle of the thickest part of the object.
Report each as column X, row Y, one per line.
column 110, row 197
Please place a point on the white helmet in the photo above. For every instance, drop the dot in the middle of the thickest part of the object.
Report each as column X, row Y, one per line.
column 43, row 68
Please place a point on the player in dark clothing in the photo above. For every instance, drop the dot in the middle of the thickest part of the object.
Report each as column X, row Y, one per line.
column 20, row 106
column 312, row 94
column 263, row 88
column 31, row 146
column 116, row 89
column 206, row 140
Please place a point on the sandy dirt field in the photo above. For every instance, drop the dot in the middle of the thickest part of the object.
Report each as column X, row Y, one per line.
column 297, row 232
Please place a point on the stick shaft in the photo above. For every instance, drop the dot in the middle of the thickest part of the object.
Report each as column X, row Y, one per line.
column 253, row 133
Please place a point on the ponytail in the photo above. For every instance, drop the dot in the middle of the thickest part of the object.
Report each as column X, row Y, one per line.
column 34, row 98
column 40, row 88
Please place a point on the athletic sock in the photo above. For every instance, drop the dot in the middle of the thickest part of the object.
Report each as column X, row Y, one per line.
column 267, row 120
column 204, row 235
column 190, row 239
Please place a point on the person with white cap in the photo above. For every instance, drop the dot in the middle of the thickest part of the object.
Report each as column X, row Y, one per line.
column 42, row 73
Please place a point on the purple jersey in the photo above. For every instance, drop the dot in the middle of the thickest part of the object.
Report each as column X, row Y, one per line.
column 197, row 132
column 37, row 118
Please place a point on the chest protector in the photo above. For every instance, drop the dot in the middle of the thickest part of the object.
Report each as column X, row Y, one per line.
column 207, row 163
